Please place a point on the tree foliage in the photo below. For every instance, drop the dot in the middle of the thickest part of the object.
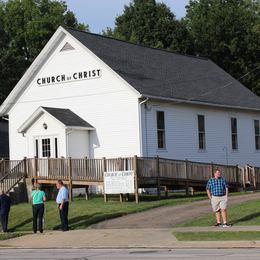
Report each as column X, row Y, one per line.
column 228, row 32
column 147, row 22
column 25, row 27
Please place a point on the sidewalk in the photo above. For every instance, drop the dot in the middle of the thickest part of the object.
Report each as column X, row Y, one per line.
column 126, row 238
column 216, row 229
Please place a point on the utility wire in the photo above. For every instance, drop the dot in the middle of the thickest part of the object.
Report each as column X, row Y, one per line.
column 226, row 85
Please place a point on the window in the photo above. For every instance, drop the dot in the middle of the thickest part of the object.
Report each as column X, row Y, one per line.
column 56, row 147
column 257, row 135
column 161, row 130
column 234, row 133
column 36, row 148
column 46, row 147
column 201, row 132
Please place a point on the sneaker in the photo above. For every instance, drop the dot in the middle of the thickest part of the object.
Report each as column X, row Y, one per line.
column 217, row 225
column 226, row 225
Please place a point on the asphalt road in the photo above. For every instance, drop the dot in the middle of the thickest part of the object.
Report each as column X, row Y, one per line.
column 127, row 254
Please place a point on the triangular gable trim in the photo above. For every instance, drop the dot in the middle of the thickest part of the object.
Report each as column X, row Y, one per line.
column 67, row 47
column 33, row 118
column 31, row 72
column 38, row 114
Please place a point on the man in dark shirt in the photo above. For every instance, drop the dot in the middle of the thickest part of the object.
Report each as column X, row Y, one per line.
column 5, row 204
column 217, row 190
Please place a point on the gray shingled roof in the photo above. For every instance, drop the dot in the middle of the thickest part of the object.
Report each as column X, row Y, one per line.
column 164, row 74
column 67, row 117
column 4, row 139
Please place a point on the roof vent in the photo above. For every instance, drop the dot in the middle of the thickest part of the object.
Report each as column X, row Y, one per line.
column 67, row 47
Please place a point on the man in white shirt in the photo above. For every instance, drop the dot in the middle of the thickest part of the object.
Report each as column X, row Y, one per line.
column 62, row 201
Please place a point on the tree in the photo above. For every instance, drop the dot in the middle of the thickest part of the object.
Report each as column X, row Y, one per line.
column 25, row 27
column 148, row 23
column 228, row 32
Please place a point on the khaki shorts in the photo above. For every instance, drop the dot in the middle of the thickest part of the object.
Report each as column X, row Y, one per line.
column 218, row 203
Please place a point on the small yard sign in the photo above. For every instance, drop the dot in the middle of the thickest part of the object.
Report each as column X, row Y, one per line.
column 118, row 182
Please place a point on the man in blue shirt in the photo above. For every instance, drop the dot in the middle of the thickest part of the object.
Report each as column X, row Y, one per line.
column 5, row 204
column 62, row 201
column 217, row 190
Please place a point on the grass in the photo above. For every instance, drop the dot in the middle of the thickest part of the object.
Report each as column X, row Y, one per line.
column 5, row 236
column 83, row 213
column 246, row 213
column 217, row 236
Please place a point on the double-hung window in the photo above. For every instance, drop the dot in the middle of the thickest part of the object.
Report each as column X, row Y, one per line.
column 160, row 130
column 46, row 147
column 201, row 132
column 234, row 133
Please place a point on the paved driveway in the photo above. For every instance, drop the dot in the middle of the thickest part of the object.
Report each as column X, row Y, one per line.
column 168, row 216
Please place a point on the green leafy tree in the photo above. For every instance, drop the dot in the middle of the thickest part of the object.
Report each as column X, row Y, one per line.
column 148, row 23
column 228, row 32
column 25, row 27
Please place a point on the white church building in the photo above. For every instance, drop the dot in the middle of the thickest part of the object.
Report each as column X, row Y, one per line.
column 90, row 95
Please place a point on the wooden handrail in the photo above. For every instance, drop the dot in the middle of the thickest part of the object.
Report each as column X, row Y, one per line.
column 12, row 177
column 147, row 168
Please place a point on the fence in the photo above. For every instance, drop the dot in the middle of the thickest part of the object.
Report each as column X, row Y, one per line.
column 149, row 171
column 91, row 170
column 165, row 170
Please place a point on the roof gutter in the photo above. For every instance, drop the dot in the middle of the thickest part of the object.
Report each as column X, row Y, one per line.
column 70, row 128
column 183, row 101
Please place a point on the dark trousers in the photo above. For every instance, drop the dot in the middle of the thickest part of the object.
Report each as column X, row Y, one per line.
column 64, row 216
column 4, row 221
column 38, row 211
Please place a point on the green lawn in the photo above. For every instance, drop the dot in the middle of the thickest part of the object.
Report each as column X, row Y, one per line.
column 246, row 213
column 83, row 213
column 218, row 236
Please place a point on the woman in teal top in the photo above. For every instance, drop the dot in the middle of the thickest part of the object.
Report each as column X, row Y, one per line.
column 38, row 198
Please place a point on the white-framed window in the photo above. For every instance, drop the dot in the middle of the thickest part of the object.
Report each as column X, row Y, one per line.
column 160, row 130
column 201, row 132
column 46, row 147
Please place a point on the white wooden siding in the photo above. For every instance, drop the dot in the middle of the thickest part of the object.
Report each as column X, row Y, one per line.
column 107, row 103
column 78, row 143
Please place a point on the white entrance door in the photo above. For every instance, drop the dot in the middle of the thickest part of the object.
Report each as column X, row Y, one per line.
column 45, row 147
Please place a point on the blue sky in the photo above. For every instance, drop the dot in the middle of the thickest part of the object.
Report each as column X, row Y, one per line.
column 99, row 14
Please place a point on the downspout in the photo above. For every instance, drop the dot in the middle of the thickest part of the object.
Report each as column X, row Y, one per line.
column 67, row 140
column 140, row 126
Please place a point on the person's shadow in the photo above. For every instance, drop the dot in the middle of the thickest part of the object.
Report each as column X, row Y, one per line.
column 246, row 218
column 27, row 221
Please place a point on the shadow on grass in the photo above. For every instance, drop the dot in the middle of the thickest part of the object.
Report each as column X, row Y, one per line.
column 153, row 197
column 87, row 220
column 246, row 218
column 27, row 221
